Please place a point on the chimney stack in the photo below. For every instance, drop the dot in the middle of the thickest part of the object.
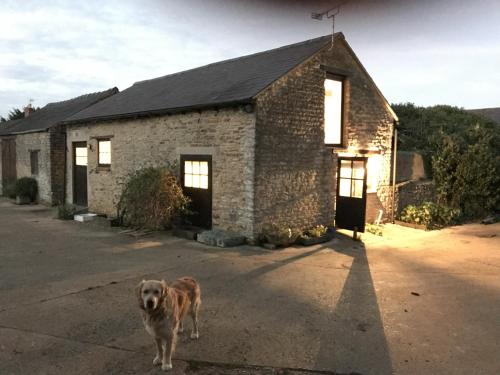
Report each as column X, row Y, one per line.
column 28, row 110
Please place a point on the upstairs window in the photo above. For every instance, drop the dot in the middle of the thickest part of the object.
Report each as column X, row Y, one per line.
column 334, row 103
column 104, row 150
column 34, row 162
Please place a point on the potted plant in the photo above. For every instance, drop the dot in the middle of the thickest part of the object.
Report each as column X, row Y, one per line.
column 315, row 235
column 26, row 189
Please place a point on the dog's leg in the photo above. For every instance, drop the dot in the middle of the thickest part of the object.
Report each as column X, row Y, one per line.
column 194, row 315
column 168, row 349
column 181, row 326
column 159, row 352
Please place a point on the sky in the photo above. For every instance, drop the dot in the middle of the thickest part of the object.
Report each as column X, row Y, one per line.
column 422, row 51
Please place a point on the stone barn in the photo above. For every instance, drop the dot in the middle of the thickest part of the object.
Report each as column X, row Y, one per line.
column 35, row 146
column 297, row 136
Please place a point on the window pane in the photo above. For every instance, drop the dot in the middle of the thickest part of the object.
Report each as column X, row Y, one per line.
column 345, row 168
column 188, row 180
column 81, row 151
column 188, row 167
column 104, row 158
column 196, row 167
column 204, row 182
column 204, row 168
column 333, row 112
column 105, row 146
column 345, row 187
column 358, row 169
column 196, row 181
column 81, row 160
column 357, row 188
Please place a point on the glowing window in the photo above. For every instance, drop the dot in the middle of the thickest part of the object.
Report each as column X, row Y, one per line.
column 81, row 156
column 104, row 146
column 333, row 111
column 352, row 174
column 196, row 174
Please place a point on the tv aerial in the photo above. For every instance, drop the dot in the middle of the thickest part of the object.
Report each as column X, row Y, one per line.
column 330, row 13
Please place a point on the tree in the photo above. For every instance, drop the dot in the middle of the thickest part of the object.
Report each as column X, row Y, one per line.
column 463, row 149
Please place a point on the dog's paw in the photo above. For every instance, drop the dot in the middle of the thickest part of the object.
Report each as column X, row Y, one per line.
column 180, row 330
column 166, row 367
column 157, row 361
column 195, row 336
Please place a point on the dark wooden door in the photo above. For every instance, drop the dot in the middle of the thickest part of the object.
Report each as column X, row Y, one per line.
column 351, row 194
column 196, row 179
column 9, row 172
column 80, row 173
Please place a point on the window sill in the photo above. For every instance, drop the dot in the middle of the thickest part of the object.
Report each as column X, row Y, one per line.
column 103, row 168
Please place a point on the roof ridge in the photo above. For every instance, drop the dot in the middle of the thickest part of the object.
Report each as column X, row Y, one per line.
column 242, row 57
column 81, row 97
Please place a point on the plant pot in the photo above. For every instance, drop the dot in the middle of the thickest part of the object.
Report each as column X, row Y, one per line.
column 309, row 241
column 23, row 199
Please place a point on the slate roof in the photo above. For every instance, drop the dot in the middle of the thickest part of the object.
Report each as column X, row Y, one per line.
column 5, row 127
column 492, row 114
column 54, row 113
column 223, row 83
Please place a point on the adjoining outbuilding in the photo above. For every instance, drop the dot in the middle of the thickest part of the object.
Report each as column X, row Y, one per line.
column 35, row 146
column 295, row 136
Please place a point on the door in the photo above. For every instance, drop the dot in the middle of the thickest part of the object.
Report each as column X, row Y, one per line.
column 196, row 179
column 351, row 194
column 80, row 173
column 9, row 172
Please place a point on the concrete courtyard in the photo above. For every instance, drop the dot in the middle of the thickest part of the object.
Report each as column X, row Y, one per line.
column 410, row 302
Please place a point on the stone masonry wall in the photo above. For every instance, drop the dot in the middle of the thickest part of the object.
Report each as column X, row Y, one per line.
column 1, row 183
column 415, row 193
column 295, row 183
column 227, row 134
column 57, row 136
column 30, row 142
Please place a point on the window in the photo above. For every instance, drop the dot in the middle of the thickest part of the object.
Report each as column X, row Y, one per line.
column 34, row 162
column 196, row 174
column 81, row 155
column 352, row 174
column 333, row 111
column 104, row 150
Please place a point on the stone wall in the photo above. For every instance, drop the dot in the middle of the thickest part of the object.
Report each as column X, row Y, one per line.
column 227, row 134
column 1, row 182
column 57, row 137
column 30, row 142
column 410, row 166
column 295, row 183
column 415, row 193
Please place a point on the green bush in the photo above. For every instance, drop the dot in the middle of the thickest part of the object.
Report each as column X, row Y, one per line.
column 152, row 198
column 464, row 151
column 317, row 231
column 279, row 235
column 431, row 215
column 26, row 187
column 66, row 211
column 10, row 191
column 375, row 229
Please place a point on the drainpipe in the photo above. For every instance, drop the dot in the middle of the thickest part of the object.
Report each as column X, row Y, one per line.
column 394, row 163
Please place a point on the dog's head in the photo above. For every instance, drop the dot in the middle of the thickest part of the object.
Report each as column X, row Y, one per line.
column 150, row 293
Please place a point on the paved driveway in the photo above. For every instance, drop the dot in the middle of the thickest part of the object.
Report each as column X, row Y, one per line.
column 67, row 304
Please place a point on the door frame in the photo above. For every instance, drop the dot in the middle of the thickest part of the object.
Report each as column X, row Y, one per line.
column 363, row 198
column 73, row 150
column 209, row 191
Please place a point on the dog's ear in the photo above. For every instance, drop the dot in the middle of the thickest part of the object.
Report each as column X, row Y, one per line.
column 138, row 292
column 164, row 288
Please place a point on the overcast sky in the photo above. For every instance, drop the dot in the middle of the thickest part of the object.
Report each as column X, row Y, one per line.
column 426, row 52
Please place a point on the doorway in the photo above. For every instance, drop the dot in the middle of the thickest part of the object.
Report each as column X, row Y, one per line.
column 350, row 210
column 80, row 162
column 196, row 179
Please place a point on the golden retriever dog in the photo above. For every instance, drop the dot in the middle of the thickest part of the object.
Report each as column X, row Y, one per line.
column 163, row 308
